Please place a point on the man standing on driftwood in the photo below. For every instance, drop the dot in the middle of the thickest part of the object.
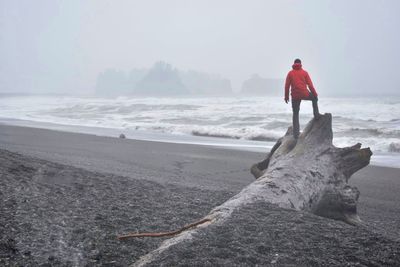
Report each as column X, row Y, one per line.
column 297, row 82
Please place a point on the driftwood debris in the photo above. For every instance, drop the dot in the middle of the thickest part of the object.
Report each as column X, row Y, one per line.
column 308, row 174
column 163, row 234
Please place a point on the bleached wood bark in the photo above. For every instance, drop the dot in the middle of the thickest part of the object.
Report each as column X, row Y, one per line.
column 309, row 174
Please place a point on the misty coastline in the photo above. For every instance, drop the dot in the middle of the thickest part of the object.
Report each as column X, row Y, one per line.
column 199, row 133
column 163, row 80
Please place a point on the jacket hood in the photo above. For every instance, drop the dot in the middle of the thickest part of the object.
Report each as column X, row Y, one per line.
column 296, row 66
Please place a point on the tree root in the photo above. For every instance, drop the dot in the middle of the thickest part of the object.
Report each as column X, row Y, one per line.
column 162, row 234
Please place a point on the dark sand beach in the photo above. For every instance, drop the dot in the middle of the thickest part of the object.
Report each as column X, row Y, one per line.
column 66, row 196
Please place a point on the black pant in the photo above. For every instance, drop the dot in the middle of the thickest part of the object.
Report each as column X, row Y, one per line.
column 296, row 109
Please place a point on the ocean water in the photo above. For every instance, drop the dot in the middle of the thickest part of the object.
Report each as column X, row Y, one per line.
column 375, row 122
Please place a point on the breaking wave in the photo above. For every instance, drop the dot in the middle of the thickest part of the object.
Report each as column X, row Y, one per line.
column 372, row 132
column 373, row 122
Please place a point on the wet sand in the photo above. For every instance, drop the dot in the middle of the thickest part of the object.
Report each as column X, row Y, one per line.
column 74, row 193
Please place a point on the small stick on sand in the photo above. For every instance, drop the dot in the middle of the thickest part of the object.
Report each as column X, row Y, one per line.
column 172, row 233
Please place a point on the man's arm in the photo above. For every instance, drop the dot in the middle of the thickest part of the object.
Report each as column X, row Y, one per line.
column 287, row 87
column 310, row 85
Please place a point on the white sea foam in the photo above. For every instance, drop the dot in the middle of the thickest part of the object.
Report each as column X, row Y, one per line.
column 375, row 122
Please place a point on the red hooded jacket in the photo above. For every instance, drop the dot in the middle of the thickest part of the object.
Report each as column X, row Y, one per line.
column 298, row 80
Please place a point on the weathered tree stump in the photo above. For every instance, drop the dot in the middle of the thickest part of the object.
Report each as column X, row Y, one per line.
column 309, row 174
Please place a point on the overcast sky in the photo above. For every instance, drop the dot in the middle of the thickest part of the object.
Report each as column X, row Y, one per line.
column 348, row 47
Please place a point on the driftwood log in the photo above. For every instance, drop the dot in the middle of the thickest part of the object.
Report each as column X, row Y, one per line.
column 308, row 174
column 312, row 174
